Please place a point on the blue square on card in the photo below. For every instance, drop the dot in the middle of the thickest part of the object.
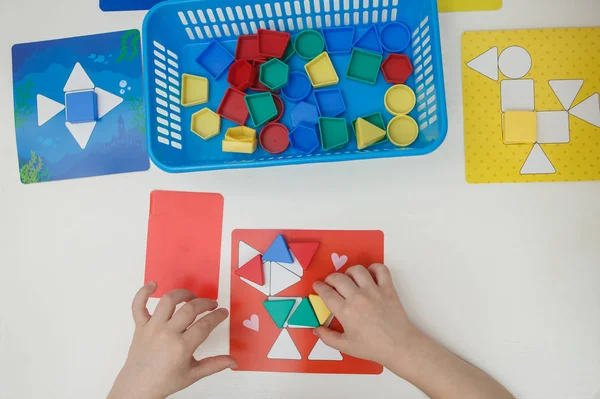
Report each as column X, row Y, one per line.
column 81, row 106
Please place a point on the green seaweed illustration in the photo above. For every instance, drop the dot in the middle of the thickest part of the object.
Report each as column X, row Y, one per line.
column 136, row 105
column 130, row 46
column 34, row 171
column 23, row 108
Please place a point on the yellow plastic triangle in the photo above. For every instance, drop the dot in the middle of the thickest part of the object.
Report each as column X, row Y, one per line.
column 319, row 307
column 367, row 134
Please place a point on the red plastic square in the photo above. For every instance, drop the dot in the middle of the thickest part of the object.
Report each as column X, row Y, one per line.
column 272, row 43
column 247, row 48
column 233, row 106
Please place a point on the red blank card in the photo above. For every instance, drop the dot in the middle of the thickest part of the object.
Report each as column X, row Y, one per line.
column 184, row 242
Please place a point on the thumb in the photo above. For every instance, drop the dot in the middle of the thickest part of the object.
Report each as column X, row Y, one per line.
column 212, row 365
column 332, row 338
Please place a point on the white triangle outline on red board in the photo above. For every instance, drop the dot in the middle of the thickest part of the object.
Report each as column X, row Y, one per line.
column 281, row 278
column 284, row 348
column 321, row 351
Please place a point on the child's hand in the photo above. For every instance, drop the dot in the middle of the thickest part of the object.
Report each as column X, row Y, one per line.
column 160, row 360
column 376, row 326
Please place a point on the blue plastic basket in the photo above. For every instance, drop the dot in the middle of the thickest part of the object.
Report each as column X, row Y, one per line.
column 176, row 32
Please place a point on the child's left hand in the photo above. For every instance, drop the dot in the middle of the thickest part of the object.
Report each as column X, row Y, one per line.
column 160, row 360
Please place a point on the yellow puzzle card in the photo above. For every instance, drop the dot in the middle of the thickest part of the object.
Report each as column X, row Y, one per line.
column 531, row 105
column 468, row 5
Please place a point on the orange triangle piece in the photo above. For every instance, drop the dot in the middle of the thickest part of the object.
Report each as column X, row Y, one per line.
column 304, row 252
column 253, row 270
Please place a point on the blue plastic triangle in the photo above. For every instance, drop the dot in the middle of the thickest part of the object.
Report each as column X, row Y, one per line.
column 369, row 41
column 278, row 252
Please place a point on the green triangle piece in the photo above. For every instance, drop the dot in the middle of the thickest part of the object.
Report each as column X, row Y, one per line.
column 304, row 316
column 279, row 310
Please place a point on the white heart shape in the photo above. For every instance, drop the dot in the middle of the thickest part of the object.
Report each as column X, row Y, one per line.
column 338, row 261
column 252, row 324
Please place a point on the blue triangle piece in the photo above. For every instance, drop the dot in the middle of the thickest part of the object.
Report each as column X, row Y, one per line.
column 278, row 252
column 369, row 41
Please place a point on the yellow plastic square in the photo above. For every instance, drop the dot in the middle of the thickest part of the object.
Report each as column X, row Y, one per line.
column 519, row 127
column 321, row 72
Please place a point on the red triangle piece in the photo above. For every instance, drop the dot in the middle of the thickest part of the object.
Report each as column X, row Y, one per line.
column 335, row 325
column 253, row 270
column 304, row 252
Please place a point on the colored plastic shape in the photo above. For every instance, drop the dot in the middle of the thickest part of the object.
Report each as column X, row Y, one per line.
column 369, row 40
column 305, row 140
column 321, row 72
column 206, row 124
column 247, row 48
column 259, row 86
column 304, row 252
column 298, row 87
column 261, row 107
column 399, row 100
column 396, row 68
column 289, row 52
column 304, row 316
column 519, row 127
column 306, row 113
column 402, row 130
column 274, row 140
column 374, row 119
column 368, row 134
column 215, row 59
column 308, row 44
column 320, row 309
column 253, row 270
column 364, row 66
column 395, row 37
column 279, row 310
column 274, row 74
column 280, row 108
column 334, row 133
column 272, row 43
column 81, row 106
column 194, row 90
column 278, row 251
column 239, row 146
column 233, row 106
column 339, row 40
column 240, row 134
column 330, row 102
column 242, row 75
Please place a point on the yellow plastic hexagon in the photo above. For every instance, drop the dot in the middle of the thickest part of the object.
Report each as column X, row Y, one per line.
column 321, row 72
column 194, row 90
column 206, row 124
column 244, row 147
column 240, row 134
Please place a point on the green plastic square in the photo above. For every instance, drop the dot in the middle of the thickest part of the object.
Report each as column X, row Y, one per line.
column 375, row 119
column 334, row 133
column 364, row 66
column 261, row 108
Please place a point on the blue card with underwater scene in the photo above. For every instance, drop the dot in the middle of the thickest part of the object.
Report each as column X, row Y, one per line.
column 79, row 108
column 127, row 5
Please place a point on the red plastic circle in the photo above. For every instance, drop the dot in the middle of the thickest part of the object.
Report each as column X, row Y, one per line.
column 280, row 107
column 274, row 138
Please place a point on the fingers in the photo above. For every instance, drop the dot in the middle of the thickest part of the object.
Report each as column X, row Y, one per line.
column 212, row 365
column 166, row 307
column 382, row 275
column 202, row 328
column 185, row 316
column 333, row 300
column 361, row 276
column 332, row 338
column 342, row 283
column 138, row 307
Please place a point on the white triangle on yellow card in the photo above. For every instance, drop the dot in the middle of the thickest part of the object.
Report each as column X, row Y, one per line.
column 537, row 163
column 284, row 298
column 81, row 132
column 486, row 64
column 284, row 348
column 106, row 101
column 245, row 254
column 566, row 90
column 588, row 110
column 323, row 352
column 47, row 109
column 281, row 278
column 78, row 80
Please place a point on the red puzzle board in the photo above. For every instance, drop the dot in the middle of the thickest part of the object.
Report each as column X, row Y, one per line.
column 184, row 242
column 250, row 348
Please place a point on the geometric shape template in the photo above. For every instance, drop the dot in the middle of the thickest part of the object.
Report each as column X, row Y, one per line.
column 281, row 278
column 81, row 132
column 47, row 109
column 106, row 101
column 588, row 110
column 284, row 348
column 323, row 352
column 486, row 64
column 566, row 90
column 517, row 95
column 537, row 163
column 553, row 127
column 515, row 62
column 78, row 80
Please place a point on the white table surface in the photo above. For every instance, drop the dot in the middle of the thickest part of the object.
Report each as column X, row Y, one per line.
column 507, row 276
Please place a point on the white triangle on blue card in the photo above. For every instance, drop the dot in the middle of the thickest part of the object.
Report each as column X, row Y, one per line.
column 78, row 80
column 106, row 101
column 81, row 132
column 323, row 352
column 47, row 109
column 284, row 348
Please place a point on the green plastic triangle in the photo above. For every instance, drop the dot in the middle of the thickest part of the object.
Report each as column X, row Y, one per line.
column 304, row 316
column 279, row 310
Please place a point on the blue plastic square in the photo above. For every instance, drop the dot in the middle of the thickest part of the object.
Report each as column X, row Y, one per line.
column 215, row 59
column 81, row 106
column 339, row 40
column 304, row 139
column 304, row 113
column 330, row 102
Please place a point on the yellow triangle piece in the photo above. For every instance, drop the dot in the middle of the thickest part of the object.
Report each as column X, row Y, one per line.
column 194, row 90
column 367, row 134
column 320, row 309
